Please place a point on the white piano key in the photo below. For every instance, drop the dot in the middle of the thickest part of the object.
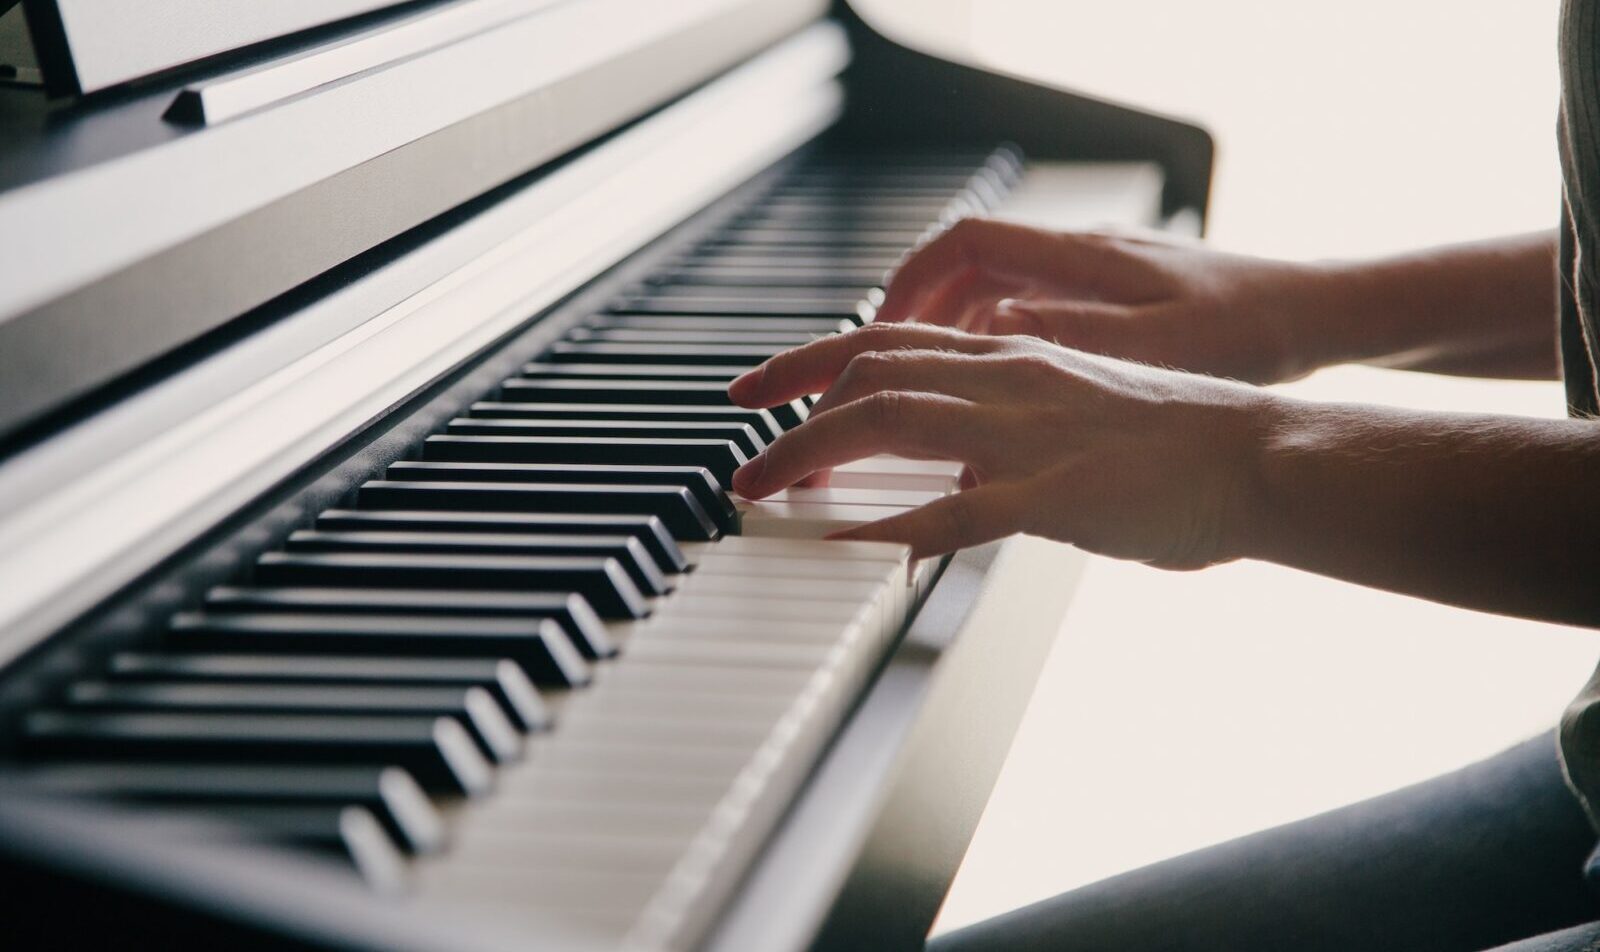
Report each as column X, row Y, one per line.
column 790, row 655
column 849, row 589
column 724, row 629
column 711, row 680
column 581, row 786
column 590, row 818
column 656, row 727
column 538, row 849
column 759, row 547
column 810, row 567
column 898, row 464
column 740, row 601
column 619, row 892
column 666, row 701
column 796, row 520
column 920, row 482
column 766, row 595
column 847, row 496
column 891, row 573
column 623, row 756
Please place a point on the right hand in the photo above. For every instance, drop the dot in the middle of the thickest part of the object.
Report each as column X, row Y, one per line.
column 1120, row 459
column 1136, row 298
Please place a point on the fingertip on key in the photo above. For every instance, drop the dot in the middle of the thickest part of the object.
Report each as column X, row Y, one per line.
column 747, row 478
column 744, row 390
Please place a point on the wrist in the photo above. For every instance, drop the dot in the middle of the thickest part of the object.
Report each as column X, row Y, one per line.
column 1318, row 315
column 1276, row 431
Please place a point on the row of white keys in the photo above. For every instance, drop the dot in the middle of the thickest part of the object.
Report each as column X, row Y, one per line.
column 858, row 492
column 632, row 818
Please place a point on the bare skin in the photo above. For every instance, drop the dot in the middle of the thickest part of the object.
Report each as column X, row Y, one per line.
column 1184, row 470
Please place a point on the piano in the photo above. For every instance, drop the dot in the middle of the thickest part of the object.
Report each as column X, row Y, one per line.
column 368, row 577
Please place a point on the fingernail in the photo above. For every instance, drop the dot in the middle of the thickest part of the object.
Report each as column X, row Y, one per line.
column 748, row 476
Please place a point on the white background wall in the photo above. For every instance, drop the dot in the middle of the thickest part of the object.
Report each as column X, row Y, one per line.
column 1182, row 710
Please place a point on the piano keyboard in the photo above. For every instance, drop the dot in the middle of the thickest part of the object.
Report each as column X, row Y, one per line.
column 546, row 668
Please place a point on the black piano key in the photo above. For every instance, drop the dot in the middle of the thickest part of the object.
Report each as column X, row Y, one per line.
column 546, row 371
column 639, row 564
column 806, row 215
column 699, row 338
column 899, row 213
column 610, row 353
column 719, row 457
column 503, row 678
column 765, row 426
column 839, row 237
column 649, row 530
column 348, row 832
column 939, row 179
column 767, row 258
column 543, row 650
column 864, row 190
column 675, row 506
column 438, row 752
column 684, row 289
column 591, row 390
column 592, row 425
column 820, row 326
column 706, row 393
column 724, row 276
column 599, row 579
column 497, row 738
column 568, row 609
column 843, row 306
column 699, row 480
column 390, row 794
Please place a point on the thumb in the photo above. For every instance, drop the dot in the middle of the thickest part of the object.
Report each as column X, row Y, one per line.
column 1083, row 325
column 966, row 518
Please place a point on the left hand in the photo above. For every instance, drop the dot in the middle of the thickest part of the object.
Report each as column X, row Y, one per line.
column 1117, row 458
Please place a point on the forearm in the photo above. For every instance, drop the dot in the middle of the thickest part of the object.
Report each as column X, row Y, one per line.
column 1494, row 513
column 1483, row 309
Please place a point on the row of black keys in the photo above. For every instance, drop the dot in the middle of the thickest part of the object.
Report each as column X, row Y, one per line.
column 393, row 650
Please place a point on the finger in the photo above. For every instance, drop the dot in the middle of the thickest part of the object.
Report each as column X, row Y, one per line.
column 1092, row 326
column 967, row 518
column 1067, row 322
column 969, row 243
column 913, row 425
column 973, row 377
column 1003, row 250
column 967, row 303
column 812, row 368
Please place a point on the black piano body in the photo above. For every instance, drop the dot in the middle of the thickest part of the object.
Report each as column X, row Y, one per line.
column 394, row 236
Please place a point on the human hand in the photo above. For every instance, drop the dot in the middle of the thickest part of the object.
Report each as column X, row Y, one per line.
column 1137, row 298
column 1118, row 458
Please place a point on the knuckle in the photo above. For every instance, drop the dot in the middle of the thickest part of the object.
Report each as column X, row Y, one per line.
column 887, row 408
column 1034, row 365
column 871, row 364
column 876, row 329
column 862, row 371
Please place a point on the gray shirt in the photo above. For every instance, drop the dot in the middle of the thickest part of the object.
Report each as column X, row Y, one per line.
column 1579, row 138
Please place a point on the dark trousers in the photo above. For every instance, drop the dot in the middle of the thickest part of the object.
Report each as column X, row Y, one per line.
column 1489, row 856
